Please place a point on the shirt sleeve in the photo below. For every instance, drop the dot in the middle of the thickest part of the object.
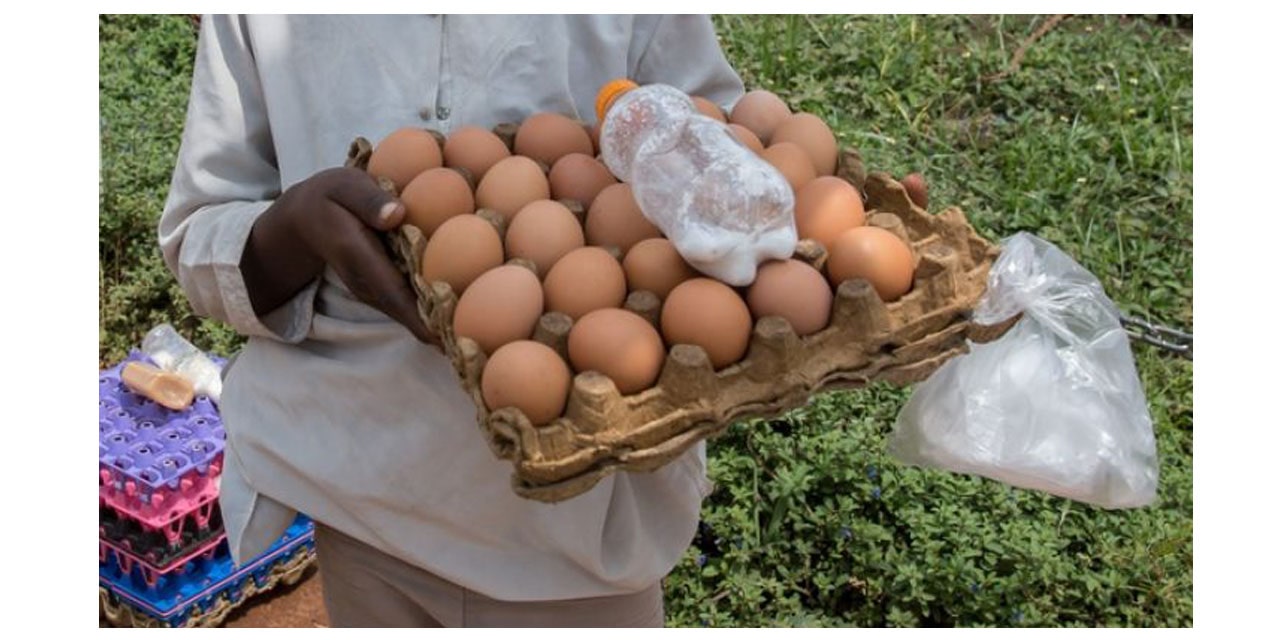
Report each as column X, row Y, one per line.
column 226, row 176
column 683, row 51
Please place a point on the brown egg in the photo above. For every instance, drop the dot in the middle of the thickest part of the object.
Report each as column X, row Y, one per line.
column 760, row 111
column 580, row 177
column 654, row 265
column 794, row 290
column 709, row 109
column 875, row 255
column 615, row 219
column 619, row 344
column 584, row 280
column 594, row 132
column 543, row 232
column 461, row 249
column 403, row 154
column 827, row 207
column 814, row 136
column 435, row 196
column 917, row 190
column 502, row 305
column 793, row 162
column 511, row 184
column 711, row 315
column 474, row 149
column 546, row 137
column 529, row 376
column 748, row 138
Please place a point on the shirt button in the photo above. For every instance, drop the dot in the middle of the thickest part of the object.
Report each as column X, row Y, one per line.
column 424, row 113
column 442, row 113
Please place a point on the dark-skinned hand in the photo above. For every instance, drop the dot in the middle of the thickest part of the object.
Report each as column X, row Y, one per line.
column 333, row 218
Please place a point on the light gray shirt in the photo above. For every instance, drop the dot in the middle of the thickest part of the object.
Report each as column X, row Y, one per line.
column 332, row 408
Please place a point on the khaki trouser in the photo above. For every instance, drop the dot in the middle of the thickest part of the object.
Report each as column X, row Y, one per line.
column 364, row 587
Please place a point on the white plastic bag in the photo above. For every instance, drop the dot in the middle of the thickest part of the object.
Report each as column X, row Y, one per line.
column 171, row 352
column 1054, row 405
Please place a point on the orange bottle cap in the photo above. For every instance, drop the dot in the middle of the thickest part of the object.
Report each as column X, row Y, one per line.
column 610, row 92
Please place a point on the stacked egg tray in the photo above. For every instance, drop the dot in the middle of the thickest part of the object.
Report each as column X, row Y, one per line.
column 157, row 476
column 602, row 431
column 209, row 587
column 162, row 552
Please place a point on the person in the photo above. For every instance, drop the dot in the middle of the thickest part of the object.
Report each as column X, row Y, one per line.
column 340, row 405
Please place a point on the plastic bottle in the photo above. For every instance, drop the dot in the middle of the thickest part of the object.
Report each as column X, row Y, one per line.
column 724, row 208
column 171, row 352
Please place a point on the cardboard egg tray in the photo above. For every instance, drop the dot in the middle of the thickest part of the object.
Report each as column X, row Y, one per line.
column 602, row 432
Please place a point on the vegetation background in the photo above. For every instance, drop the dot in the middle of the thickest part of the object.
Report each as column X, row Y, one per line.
column 1083, row 137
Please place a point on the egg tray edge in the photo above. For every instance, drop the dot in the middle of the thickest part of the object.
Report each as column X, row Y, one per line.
column 603, row 432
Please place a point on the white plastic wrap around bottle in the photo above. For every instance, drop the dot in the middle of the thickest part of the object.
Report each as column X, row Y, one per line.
column 724, row 208
column 1055, row 404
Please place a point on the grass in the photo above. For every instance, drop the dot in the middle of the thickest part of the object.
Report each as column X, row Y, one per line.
column 1089, row 145
column 144, row 77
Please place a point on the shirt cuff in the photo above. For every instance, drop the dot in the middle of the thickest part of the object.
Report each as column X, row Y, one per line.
column 290, row 322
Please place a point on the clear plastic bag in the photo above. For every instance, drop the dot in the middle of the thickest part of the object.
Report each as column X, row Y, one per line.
column 1055, row 404
column 171, row 352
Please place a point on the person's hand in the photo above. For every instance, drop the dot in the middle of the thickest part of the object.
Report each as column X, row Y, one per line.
column 332, row 218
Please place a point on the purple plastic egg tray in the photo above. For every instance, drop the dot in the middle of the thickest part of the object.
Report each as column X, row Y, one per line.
column 147, row 452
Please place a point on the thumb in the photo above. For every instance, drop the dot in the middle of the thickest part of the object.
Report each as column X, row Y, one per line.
column 358, row 192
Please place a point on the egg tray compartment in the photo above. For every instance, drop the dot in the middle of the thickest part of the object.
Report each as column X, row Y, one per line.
column 602, row 432
column 166, row 543
column 206, row 598
column 124, row 565
column 147, row 452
